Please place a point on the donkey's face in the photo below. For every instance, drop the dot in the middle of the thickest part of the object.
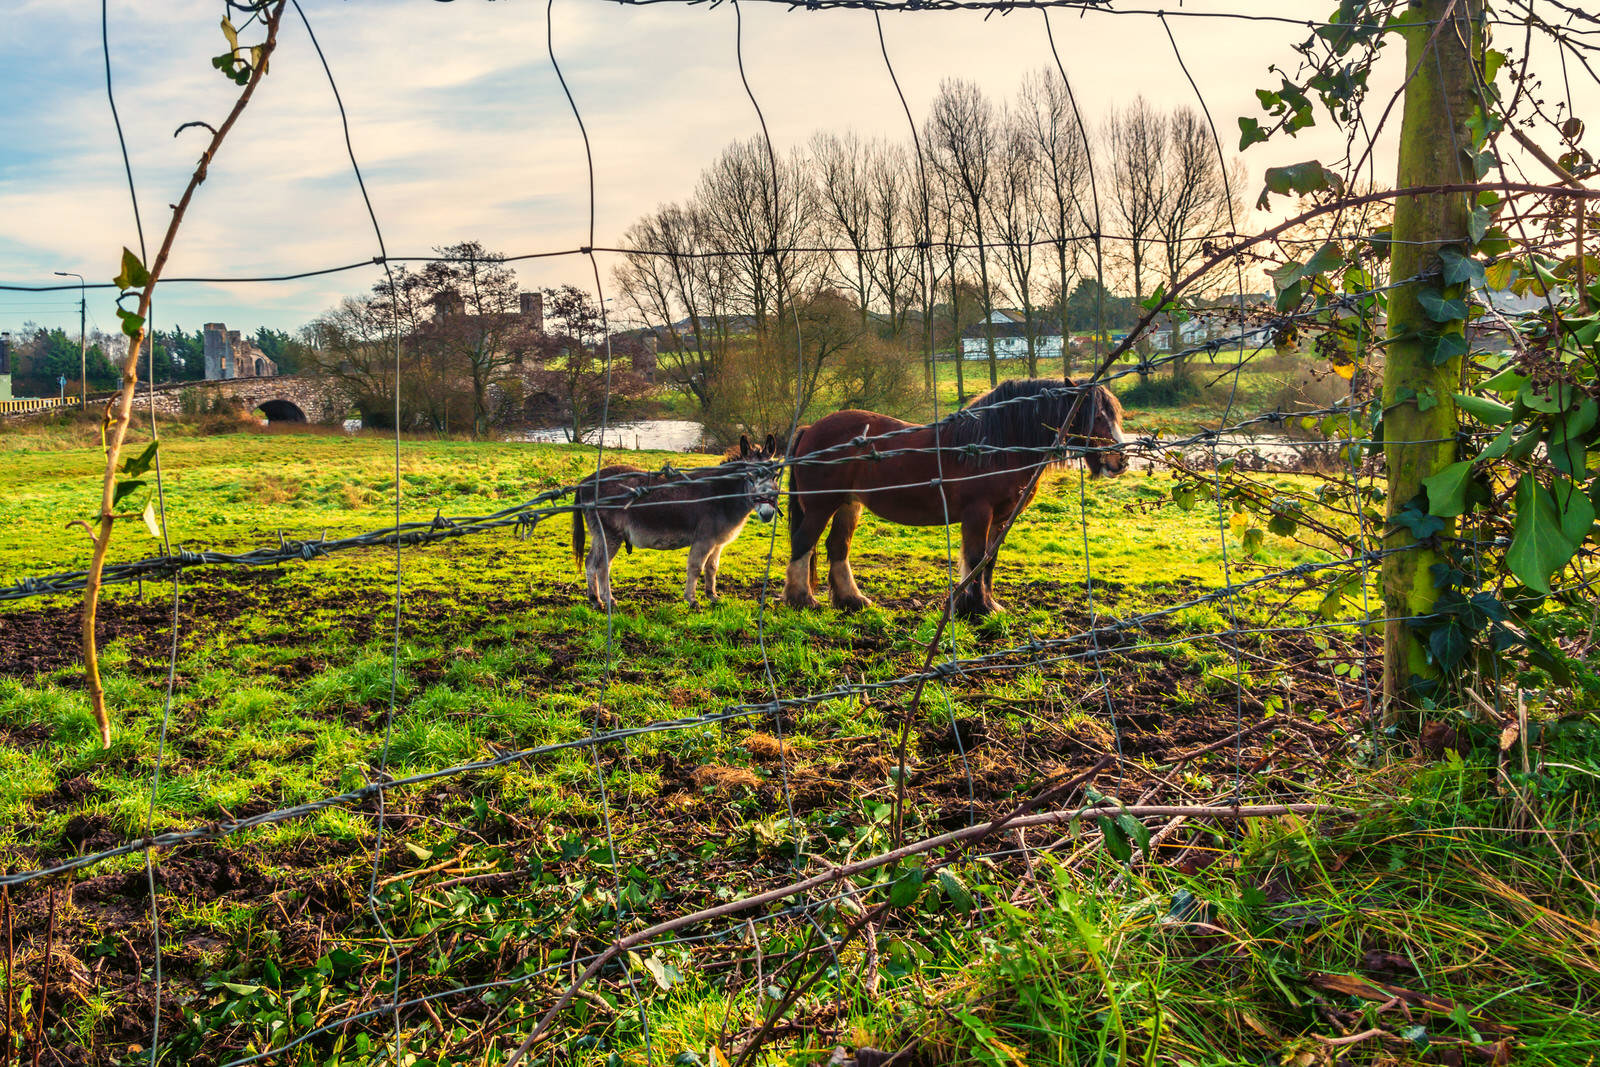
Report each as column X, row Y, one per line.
column 761, row 476
column 1103, row 429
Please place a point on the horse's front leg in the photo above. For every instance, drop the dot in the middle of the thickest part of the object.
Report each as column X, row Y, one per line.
column 698, row 554
column 975, row 601
column 799, row 583
column 841, row 580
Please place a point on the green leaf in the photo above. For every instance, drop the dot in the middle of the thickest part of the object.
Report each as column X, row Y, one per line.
column 1447, row 490
column 1488, row 412
column 122, row 490
column 133, row 275
column 131, row 323
column 1441, row 348
column 1551, row 399
column 1289, row 298
column 1459, row 268
column 1509, row 380
column 1577, row 511
column 241, row 990
column 1540, row 544
column 1253, row 539
column 1250, row 132
column 1301, row 178
column 1116, row 839
column 955, row 890
column 1493, row 60
column 137, row 465
column 1478, row 225
column 1283, row 525
column 906, row 890
column 1441, row 308
column 1326, row 259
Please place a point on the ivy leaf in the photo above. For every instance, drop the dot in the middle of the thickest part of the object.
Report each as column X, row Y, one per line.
column 1301, row 178
column 1488, row 412
column 1550, row 400
column 1441, row 308
column 133, row 275
column 1478, row 225
column 1540, row 545
column 131, row 323
column 1250, row 132
column 1447, row 490
column 1449, row 645
column 1421, row 525
column 1459, row 268
column 1509, row 380
column 1443, row 347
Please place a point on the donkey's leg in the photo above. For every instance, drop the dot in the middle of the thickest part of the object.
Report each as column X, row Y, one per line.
column 595, row 562
column 841, row 582
column 800, row 581
column 713, row 562
column 975, row 523
column 698, row 552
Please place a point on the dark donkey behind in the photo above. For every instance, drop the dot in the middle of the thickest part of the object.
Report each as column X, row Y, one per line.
column 978, row 475
column 701, row 509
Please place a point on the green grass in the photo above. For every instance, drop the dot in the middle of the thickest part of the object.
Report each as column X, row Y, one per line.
column 282, row 693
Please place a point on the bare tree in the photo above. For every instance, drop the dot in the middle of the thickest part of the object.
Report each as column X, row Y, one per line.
column 845, row 212
column 1137, row 139
column 896, row 210
column 1014, row 203
column 963, row 134
column 669, row 281
column 759, row 221
column 1063, row 163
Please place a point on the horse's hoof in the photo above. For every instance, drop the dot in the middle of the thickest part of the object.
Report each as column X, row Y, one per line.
column 802, row 601
column 851, row 603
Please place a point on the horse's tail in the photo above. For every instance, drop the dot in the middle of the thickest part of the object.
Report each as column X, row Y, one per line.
column 796, row 509
column 578, row 535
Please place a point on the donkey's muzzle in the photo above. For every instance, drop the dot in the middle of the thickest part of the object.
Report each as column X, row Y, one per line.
column 766, row 512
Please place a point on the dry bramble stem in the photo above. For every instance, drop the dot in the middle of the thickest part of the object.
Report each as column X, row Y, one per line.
column 119, row 412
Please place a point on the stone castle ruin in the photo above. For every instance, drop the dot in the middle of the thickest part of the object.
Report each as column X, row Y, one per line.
column 228, row 355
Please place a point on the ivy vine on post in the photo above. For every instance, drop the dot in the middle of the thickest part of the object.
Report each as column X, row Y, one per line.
column 1491, row 495
column 246, row 66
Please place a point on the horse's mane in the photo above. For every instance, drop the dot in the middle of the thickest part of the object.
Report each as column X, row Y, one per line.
column 1025, row 413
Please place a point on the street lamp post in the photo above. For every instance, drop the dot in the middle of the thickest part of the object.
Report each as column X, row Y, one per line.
column 83, row 340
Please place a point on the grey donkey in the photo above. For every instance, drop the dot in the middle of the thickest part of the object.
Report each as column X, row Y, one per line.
column 701, row 509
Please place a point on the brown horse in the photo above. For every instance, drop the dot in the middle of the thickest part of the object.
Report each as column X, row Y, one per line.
column 972, row 468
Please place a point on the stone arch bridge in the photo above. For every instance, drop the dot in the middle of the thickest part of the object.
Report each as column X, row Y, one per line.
column 290, row 398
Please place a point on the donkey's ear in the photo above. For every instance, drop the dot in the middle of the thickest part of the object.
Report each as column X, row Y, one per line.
column 744, row 447
column 1068, row 380
column 771, row 445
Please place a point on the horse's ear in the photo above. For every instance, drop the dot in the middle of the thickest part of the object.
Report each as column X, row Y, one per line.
column 744, row 446
column 1067, row 379
column 771, row 445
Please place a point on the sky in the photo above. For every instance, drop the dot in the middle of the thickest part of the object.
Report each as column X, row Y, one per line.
column 463, row 132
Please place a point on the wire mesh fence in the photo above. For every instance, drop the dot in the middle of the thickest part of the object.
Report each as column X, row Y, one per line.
column 570, row 938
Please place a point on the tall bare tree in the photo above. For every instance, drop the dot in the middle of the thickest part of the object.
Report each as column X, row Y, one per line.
column 963, row 138
column 1137, row 139
column 1046, row 112
column 845, row 212
column 1014, row 203
column 669, row 281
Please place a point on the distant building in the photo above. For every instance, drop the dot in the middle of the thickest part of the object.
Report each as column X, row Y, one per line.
column 230, row 356
column 1011, row 337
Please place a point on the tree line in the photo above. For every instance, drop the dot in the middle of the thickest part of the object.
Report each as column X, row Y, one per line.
column 822, row 270
column 41, row 357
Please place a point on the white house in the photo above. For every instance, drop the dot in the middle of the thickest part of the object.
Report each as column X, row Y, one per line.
column 1011, row 337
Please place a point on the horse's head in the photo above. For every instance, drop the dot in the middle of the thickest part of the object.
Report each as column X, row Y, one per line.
column 1100, row 425
column 761, row 475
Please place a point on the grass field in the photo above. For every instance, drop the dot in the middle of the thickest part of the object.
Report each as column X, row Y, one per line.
column 1245, row 943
